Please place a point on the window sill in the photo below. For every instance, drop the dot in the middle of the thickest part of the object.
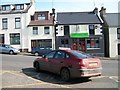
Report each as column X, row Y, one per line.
column 92, row 48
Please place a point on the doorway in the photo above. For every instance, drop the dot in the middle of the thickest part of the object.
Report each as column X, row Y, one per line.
column 118, row 49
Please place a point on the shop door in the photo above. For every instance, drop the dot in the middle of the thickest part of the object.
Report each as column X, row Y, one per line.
column 2, row 38
column 79, row 44
column 118, row 49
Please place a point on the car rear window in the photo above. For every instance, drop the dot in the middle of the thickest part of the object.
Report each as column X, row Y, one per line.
column 81, row 54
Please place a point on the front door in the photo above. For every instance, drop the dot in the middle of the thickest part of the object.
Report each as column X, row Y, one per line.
column 118, row 49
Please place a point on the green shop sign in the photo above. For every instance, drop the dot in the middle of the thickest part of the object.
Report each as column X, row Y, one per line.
column 79, row 35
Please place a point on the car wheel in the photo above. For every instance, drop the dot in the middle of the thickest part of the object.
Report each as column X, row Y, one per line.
column 65, row 74
column 37, row 66
column 11, row 52
column 36, row 53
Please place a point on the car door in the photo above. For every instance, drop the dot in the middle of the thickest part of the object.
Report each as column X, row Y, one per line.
column 4, row 49
column 58, row 61
column 45, row 64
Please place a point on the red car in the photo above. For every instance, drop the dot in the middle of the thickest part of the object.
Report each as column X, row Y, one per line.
column 69, row 64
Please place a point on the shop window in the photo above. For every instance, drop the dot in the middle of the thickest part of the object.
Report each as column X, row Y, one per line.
column 15, row 39
column 93, row 43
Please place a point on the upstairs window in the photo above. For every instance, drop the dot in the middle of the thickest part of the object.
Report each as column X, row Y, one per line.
column 4, row 23
column 118, row 33
column 6, row 8
column 19, row 7
column 35, row 30
column 46, row 30
column 17, row 23
column 41, row 17
column 91, row 29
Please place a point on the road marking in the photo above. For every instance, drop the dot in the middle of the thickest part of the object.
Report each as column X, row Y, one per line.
column 114, row 78
column 24, row 85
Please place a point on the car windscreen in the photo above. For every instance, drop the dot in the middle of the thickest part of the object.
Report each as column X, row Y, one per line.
column 80, row 54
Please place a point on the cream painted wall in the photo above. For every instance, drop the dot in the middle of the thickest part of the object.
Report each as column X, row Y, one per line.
column 113, row 42
column 25, row 20
column 78, row 29
column 40, row 35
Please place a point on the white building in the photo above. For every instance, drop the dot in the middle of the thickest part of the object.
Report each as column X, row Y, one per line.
column 14, row 19
column 111, row 33
column 41, row 30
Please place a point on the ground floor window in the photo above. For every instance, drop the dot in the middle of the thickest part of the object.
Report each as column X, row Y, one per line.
column 43, row 43
column 1, row 38
column 93, row 43
column 15, row 38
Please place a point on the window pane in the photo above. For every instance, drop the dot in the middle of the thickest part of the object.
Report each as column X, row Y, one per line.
column 46, row 30
column 35, row 30
column 88, row 43
column 17, row 23
column 93, row 43
column 15, row 39
column 91, row 29
column 4, row 23
column 41, row 17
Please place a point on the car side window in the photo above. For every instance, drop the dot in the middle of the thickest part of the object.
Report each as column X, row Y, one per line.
column 60, row 54
column 67, row 56
column 51, row 54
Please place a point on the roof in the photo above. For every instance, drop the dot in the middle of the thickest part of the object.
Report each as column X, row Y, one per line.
column 78, row 18
column 40, row 23
column 13, row 11
column 112, row 19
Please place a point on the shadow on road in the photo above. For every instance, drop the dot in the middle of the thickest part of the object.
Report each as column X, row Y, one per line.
column 50, row 77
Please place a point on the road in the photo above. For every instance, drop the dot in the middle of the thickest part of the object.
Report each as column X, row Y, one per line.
column 17, row 72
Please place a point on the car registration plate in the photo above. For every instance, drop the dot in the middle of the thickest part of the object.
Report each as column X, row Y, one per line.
column 92, row 64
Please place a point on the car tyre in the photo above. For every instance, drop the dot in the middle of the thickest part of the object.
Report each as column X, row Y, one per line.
column 36, row 53
column 11, row 52
column 65, row 74
column 37, row 66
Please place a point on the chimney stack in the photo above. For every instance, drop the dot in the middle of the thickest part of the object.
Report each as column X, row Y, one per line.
column 102, row 11
column 95, row 10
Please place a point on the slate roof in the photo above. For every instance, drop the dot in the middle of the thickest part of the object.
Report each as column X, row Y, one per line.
column 13, row 11
column 112, row 19
column 78, row 18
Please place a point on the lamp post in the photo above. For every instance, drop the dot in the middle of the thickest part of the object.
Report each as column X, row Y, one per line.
column 54, row 35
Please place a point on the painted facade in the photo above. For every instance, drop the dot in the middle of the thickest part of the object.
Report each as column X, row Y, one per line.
column 14, row 20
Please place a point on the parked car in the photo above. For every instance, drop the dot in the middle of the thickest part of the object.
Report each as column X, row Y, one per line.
column 40, row 51
column 69, row 64
column 4, row 48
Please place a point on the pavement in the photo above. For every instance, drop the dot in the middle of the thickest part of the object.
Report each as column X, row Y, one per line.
column 102, row 58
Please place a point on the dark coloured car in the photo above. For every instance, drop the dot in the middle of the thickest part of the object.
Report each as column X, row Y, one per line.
column 4, row 48
column 69, row 64
column 40, row 51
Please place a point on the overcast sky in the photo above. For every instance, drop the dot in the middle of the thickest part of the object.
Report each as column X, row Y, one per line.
column 70, row 5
